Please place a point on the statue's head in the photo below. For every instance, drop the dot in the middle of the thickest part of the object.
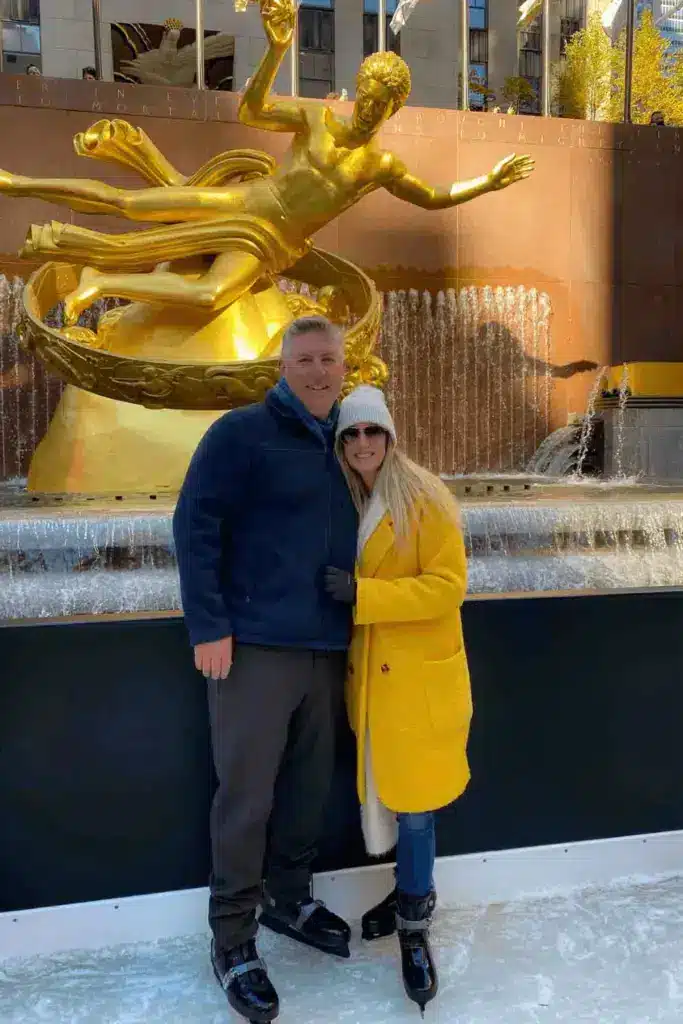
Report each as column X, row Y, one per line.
column 172, row 29
column 382, row 87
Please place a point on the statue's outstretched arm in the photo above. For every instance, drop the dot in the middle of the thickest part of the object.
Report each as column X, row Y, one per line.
column 258, row 109
column 409, row 188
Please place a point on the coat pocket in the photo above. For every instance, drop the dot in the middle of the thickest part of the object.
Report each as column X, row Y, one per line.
column 448, row 694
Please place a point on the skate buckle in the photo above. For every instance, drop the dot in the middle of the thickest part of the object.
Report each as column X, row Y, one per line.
column 307, row 910
column 240, row 969
column 404, row 925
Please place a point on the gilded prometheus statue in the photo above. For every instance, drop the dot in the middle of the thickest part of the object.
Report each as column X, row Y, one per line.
column 332, row 163
column 206, row 313
column 251, row 227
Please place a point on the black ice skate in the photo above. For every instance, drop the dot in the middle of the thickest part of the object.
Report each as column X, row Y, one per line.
column 419, row 971
column 310, row 922
column 242, row 975
column 380, row 921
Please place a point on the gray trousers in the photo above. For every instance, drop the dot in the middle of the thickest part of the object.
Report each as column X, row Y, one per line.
column 273, row 725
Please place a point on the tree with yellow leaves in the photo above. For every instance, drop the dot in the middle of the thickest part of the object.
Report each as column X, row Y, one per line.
column 583, row 84
column 656, row 85
column 517, row 92
column 590, row 79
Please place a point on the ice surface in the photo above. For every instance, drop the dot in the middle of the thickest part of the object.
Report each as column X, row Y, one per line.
column 609, row 956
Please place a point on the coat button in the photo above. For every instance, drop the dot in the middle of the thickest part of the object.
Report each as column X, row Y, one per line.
column 385, row 668
column 350, row 670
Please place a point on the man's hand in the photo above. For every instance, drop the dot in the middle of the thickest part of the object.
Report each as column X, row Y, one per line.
column 214, row 660
column 340, row 585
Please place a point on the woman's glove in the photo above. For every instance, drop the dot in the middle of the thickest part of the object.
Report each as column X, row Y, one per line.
column 340, row 585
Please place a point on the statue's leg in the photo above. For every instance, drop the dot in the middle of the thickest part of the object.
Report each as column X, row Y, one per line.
column 79, row 194
column 231, row 275
column 167, row 203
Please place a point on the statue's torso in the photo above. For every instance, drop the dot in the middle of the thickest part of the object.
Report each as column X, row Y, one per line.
column 319, row 179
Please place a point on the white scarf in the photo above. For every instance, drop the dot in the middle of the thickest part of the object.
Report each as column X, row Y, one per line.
column 380, row 828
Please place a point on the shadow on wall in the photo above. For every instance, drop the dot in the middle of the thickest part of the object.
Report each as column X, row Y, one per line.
column 472, row 375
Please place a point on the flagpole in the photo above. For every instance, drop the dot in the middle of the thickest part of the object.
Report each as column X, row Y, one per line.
column 381, row 25
column 294, row 53
column 545, row 57
column 199, row 43
column 628, row 70
column 465, row 53
column 97, row 37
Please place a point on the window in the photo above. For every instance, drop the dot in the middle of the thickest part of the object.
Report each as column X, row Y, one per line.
column 20, row 10
column 568, row 28
column 18, row 38
column 530, row 65
column 370, row 41
column 479, row 46
column 478, row 52
column 573, row 10
column 479, row 74
column 530, row 39
column 478, row 14
column 316, row 49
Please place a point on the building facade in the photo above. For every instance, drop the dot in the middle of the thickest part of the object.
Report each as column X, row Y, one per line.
column 335, row 35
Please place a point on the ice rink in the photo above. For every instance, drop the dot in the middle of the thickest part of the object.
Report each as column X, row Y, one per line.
column 608, row 956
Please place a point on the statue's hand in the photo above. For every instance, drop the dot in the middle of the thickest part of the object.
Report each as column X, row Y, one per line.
column 509, row 170
column 278, row 21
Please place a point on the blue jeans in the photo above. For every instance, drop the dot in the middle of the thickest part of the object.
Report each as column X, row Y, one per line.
column 415, row 853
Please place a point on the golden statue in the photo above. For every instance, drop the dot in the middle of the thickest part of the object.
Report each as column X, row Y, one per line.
column 206, row 312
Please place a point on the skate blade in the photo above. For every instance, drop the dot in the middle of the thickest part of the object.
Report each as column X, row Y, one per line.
column 339, row 948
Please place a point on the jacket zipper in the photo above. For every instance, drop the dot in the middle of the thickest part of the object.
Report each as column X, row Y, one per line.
column 328, row 527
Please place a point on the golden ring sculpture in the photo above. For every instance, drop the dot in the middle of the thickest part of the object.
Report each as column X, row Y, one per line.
column 202, row 276
column 196, row 384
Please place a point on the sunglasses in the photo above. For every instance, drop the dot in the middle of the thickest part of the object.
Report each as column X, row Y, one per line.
column 353, row 433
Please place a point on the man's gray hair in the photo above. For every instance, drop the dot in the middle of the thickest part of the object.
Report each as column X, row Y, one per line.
column 309, row 325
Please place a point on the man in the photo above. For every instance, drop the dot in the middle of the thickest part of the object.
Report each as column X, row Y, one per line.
column 89, row 74
column 263, row 510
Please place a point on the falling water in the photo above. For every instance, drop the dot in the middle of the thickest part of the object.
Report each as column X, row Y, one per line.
column 60, row 560
column 588, row 425
column 28, row 393
column 621, row 422
column 558, row 454
column 471, row 375
column 594, row 539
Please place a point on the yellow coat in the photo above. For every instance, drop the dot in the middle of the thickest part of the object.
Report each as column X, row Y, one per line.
column 408, row 686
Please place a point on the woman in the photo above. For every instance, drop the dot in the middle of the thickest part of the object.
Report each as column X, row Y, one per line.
column 408, row 691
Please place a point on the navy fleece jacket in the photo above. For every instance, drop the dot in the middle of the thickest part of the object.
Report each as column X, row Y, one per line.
column 263, row 509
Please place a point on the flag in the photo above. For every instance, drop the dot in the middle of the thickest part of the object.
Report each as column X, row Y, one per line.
column 527, row 12
column 403, row 11
column 614, row 18
column 674, row 9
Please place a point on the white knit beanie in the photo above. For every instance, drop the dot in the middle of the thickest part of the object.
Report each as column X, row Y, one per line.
column 365, row 404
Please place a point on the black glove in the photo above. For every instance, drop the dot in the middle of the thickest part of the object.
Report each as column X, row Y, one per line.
column 340, row 585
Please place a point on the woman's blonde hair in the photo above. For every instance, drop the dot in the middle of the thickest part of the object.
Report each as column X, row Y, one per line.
column 405, row 488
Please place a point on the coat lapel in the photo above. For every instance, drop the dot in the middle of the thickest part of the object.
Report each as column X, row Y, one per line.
column 376, row 547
